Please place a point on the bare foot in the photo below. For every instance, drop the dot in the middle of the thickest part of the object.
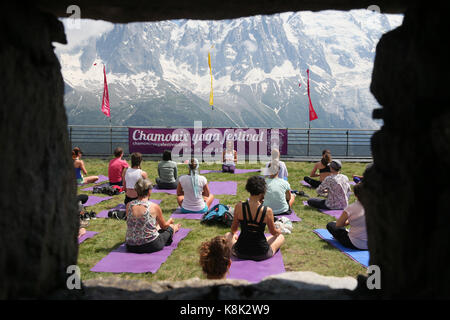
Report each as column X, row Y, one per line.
column 175, row 227
column 81, row 232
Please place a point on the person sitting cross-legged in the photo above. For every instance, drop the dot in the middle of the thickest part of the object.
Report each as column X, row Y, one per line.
column 229, row 157
column 324, row 170
column 252, row 216
column 193, row 193
column 131, row 176
column 278, row 195
column 215, row 258
column 353, row 215
column 147, row 230
column 337, row 188
column 167, row 172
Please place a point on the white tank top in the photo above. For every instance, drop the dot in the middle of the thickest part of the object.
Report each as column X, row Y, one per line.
column 229, row 157
column 132, row 176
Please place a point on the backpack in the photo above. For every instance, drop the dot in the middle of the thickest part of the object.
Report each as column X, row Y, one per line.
column 219, row 214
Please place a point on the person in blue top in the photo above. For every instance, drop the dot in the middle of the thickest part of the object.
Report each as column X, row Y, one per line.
column 278, row 195
column 80, row 168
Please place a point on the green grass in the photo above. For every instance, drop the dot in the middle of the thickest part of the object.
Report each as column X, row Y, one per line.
column 302, row 250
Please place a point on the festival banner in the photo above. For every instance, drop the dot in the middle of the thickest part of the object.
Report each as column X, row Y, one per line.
column 248, row 141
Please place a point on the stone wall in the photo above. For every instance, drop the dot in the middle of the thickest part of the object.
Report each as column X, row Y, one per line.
column 406, row 192
column 38, row 221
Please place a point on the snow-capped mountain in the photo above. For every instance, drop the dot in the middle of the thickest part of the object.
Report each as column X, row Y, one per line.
column 158, row 72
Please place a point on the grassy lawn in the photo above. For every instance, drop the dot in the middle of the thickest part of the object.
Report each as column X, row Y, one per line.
column 302, row 251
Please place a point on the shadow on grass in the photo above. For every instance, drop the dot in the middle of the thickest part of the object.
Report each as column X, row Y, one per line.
column 108, row 250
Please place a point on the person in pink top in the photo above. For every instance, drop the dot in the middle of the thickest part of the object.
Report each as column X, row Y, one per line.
column 116, row 167
column 353, row 216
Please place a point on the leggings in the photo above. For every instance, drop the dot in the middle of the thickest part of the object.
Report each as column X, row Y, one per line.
column 317, row 203
column 166, row 185
column 228, row 168
column 164, row 239
column 314, row 183
column 341, row 235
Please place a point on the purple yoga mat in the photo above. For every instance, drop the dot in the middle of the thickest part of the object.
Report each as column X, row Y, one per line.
column 293, row 216
column 177, row 214
column 120, row 206
column 87, row 235
column 169, row 191
column 237, row 171
column 255, row 271
column 223, row 187
column 93, row 200
column 333, row 213
column 120, row 261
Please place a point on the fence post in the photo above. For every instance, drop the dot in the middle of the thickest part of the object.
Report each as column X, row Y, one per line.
column 307, row 153
column 110, row 140
column 346, row 153
column 70, row 136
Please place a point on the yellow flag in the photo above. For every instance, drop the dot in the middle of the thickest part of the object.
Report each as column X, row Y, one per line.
column 210, row 72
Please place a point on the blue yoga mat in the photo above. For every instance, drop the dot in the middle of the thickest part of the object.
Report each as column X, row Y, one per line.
column 360, row 256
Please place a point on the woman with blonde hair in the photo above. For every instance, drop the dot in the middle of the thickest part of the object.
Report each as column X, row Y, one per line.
column 147, row 230
column 193, row 193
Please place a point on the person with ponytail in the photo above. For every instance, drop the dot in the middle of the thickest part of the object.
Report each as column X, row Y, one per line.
column 147, row 230
column 324, row 170
column 80, row 169
column 215, row 258
column 131, row 175
column 193, row 193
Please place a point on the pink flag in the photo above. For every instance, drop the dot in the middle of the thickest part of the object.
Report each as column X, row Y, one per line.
column 105, row 100
column 312, row 113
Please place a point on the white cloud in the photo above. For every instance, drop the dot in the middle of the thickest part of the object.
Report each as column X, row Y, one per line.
column 81, row 33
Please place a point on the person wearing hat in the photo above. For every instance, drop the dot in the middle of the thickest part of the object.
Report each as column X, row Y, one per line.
column 278, row 195
column 80, row 168
column 193, row 193
column 337, row 188
column 283, row 174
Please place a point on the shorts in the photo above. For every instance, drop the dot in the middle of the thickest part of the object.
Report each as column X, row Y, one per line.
column 204, row 210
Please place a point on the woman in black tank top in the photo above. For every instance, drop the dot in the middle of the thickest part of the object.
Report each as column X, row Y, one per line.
column 252, row 217
column 324, row 170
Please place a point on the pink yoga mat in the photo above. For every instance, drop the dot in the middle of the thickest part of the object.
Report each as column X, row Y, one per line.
column 120, row 206
column 255, row 271
column 121, row 261
column 333, row 213
column 177, row 214
column 87, row 235
column 93, row 200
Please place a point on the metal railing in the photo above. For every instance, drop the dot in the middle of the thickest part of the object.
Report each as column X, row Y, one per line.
column 302, row 142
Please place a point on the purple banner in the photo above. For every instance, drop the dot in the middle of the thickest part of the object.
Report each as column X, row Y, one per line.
column 249, row 141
